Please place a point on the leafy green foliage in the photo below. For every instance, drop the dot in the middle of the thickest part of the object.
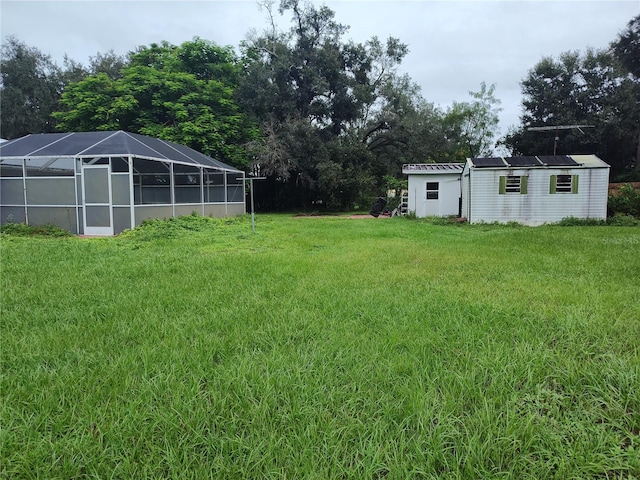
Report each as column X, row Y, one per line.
column 616, row 220
column 180, row 93
column 336, row 118
column 622, row 220
column 312, row 92
column 626, row 201
column 153, row 229
column 475, row 124
column 408, row 129
column 22, row 230
column 29, row 90
column 32, row 85
column 627, row 47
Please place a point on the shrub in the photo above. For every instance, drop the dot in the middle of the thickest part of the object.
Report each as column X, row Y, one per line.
column 174, row 227
column 625, row 202
column 23, row 230
column 580, row 222
column 618, row 220
column 621, row 220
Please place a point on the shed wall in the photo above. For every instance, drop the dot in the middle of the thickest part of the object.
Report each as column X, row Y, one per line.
column 448, row 194
column 538, row 205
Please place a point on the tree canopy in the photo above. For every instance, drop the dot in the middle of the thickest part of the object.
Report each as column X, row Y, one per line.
column 336, row 118
column 178, row 93
column 312, row 94
column 30, row 89
column 596, row 88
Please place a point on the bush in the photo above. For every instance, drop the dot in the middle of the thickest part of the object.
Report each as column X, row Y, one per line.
column 174, row 227
column 580, row 222
column 625, row 202
column 23, row 230
column 618, row 220
column 621, row 220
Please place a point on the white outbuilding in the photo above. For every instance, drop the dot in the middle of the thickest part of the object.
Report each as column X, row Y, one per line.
column 534, row 190
column 433, row 189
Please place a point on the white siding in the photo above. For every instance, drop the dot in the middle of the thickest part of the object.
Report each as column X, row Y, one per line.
column 448, row 194
column 537, row 206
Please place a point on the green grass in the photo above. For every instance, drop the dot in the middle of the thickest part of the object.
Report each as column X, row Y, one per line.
column 322, row 348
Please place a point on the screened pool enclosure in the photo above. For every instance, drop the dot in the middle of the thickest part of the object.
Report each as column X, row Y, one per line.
column 101, row 183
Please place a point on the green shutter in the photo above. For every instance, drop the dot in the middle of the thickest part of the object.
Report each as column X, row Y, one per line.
column 503, row 185
column 523, row 185
column 552, row 184
column 574, row 183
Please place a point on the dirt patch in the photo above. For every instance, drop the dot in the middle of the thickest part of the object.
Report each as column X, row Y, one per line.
column 360, row 216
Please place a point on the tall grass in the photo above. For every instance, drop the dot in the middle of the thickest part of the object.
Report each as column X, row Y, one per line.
column 322, row 348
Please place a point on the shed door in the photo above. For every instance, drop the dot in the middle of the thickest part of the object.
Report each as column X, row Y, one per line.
column 432, row 199
column 96, row 190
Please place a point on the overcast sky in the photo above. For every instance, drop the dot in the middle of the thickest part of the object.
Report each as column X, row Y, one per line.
column 454, row 45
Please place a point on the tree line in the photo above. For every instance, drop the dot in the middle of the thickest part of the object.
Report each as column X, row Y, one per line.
column 328, row 121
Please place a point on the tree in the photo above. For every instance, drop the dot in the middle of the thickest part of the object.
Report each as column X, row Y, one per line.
column 474, row 125
column 313, row 95
column 108, row 63
column 627, row 47
column 30, row 88
column 626, row 50
column 408, row 129
column 581, row 89
column 178, row 93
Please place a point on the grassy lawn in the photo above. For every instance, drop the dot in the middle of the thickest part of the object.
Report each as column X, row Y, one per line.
column 322, row 348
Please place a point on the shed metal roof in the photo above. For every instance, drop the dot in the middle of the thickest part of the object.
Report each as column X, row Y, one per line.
column 430, row 168
column 110, row 143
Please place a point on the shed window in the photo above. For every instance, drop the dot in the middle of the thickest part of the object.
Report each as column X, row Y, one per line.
column 513, row 184
column 563, row 184
column 432, row 190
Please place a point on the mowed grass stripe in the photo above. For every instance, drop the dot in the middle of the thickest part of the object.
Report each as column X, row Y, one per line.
column 322, row 348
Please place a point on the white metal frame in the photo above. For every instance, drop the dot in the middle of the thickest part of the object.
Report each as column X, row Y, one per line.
column 96, row 230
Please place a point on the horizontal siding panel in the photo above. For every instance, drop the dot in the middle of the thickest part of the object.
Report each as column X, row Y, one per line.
column 538, row 206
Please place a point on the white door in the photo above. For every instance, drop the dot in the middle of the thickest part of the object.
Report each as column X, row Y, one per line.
column 96, row 193
column 432, row 200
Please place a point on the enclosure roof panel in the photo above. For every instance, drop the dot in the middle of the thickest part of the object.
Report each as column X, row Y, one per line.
column 111, row 143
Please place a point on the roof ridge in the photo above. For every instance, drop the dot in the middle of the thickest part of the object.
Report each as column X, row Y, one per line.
column 97, row 143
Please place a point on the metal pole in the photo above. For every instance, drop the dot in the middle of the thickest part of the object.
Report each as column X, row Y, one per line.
column 253, row 220
column 251, row 179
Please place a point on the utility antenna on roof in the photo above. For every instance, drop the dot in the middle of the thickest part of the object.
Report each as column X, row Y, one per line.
column 556, row 128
